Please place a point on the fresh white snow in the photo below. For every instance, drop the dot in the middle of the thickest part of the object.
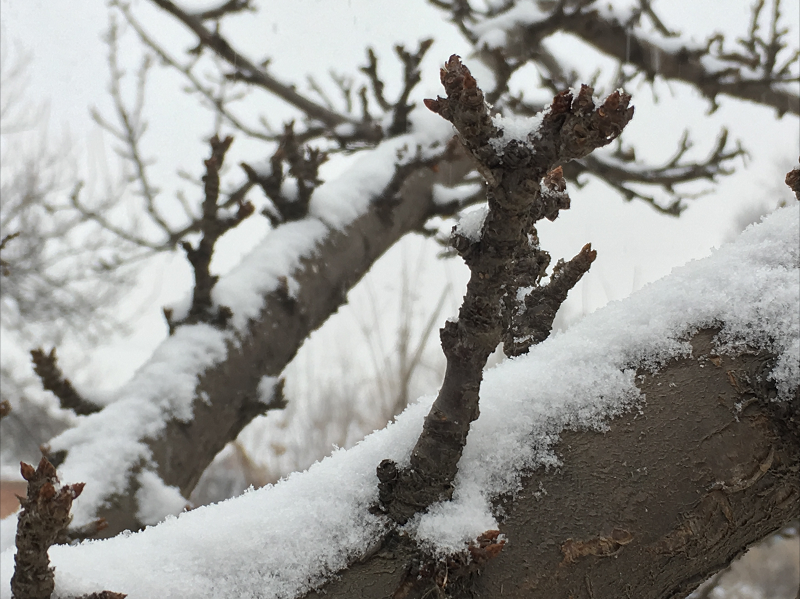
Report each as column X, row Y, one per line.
column 281, row 540
column 104, row 447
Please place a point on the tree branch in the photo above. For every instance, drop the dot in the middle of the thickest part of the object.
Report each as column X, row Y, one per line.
column 669, row 524
column 686, row 63
column 228, row 395
column 212, row 226
column 497, row 251
column 53, row 380
column 44, row 517
column 248, row 71
column 231, row 6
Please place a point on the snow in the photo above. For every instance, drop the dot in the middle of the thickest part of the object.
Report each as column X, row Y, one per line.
column 519, row 128
column 157, row 500
column 443, row 195
column 340, row 201
column 492, row 33
column 104, row 447
column 282, row 540
column 471, row 222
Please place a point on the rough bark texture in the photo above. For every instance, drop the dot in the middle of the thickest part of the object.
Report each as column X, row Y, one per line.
column 44, row 517
column 185, row 449
column 505, row 261
column 670, row 494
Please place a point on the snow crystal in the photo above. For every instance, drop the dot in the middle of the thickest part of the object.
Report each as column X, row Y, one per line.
column 516, row 127
column 471, row 222
column 282, row 540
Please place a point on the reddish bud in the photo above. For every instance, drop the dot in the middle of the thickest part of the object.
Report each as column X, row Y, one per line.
column 27, row 471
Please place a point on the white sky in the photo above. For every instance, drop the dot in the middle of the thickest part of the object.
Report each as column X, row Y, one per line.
column 635, row 245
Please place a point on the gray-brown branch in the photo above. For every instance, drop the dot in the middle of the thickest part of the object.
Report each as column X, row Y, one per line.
column 212, row 226
column 514, row 170
column 616, row 39
column 227, row 397
column 44, row 517
column 251, row 72
column 664, row 498
column 45, row 365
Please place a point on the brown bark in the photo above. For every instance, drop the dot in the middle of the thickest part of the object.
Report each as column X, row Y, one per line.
column 44, row 517
column 670, row 494
column 504, row 258
column 229, row 391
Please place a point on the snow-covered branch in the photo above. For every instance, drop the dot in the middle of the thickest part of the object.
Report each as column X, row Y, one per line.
column 624, row 437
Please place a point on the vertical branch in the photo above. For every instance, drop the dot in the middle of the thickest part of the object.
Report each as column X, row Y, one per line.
column 212, row 227
column 497, row 247
column 44, row 517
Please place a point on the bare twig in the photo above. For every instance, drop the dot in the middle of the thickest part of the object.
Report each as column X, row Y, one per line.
column 231, row 6
column 371, row 71
column 187, row 71
column 44, row 516
column 411, row 77
column 304, row 163
column 212, row 227
column 248, row 71
column 793, row 181
column 3, row 264
column 53, row 380
column 43, row 520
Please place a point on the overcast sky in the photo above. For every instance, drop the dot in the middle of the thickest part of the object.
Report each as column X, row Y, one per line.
column 68, row 71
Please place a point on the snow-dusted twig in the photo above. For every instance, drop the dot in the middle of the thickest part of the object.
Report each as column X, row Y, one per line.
column 502, row 252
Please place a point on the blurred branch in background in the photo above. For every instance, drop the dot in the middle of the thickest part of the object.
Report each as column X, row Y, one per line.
column 61, row 276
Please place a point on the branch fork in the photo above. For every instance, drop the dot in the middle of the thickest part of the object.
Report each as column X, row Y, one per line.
column 505, row 300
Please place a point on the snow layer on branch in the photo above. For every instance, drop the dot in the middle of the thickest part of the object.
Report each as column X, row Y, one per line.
column 281, row 540
column 104, row 447
column 334, row 205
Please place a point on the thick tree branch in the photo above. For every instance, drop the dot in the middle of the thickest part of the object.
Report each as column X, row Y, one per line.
column 228, row 397
column 617, row 519
column 692, row 65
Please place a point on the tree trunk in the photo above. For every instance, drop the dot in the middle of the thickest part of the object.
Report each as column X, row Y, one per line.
column 670, row 494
